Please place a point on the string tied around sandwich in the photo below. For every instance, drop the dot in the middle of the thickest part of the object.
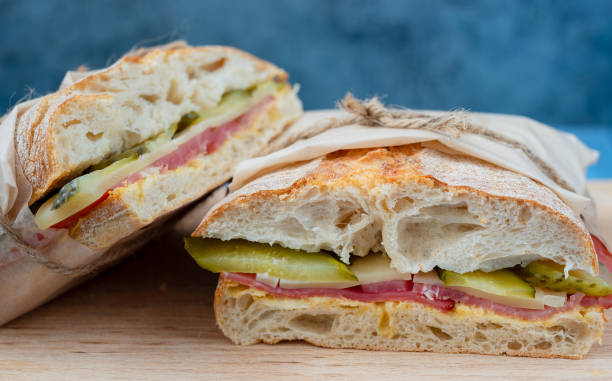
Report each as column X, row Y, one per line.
column 372, row 113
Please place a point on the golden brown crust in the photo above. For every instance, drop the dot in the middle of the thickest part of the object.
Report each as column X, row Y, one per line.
column 34, row 136
column 369, row 168
column 224, row 285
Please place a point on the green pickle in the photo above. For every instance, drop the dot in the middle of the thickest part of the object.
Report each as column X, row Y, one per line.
column 186, row 121
column 229, row 101
column 137, row 150
column 259, row 258
column 66, row 193
column 548, row 274
column 501, row 282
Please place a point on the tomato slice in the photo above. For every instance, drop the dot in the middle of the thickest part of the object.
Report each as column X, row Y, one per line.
column 70, row 221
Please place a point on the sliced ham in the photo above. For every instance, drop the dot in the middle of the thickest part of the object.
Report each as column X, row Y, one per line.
column 602, row 301
column 440, row 297
column 398, row 290
column 207, row 142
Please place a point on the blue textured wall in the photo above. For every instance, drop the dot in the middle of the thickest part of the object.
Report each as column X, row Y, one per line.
column 551, row 60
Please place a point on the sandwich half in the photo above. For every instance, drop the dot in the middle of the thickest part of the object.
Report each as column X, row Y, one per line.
column 119, row 148
column 408, row 248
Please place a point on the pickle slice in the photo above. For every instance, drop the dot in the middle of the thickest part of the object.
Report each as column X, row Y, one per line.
column 501, row 286
column 259, row 258
column 81, row 192
column 501, row 282
column 139, row 150
column 233, row 100
column 551, row 275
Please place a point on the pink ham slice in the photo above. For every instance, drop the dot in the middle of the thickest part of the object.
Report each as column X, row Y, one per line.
column 398, row 290
column 207, row 142
column 440, row 297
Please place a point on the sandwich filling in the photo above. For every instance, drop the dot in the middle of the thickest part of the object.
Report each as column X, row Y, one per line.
column 536, row 291
column 196, row 133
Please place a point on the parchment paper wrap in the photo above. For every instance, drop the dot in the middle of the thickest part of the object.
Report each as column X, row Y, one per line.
column 563, row 152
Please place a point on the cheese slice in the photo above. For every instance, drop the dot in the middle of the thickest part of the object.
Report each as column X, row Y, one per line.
column 268, row 279
column 374, row 268
column 286, row 283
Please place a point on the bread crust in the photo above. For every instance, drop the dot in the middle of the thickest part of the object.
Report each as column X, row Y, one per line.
column 36, row 140
column 122, row 212
column 585, row 323
column 369, row 169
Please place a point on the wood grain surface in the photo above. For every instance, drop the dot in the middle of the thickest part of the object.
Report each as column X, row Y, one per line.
column 151, row 318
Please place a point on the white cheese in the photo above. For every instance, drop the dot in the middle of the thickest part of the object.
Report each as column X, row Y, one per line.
column 286, row 283
column 551, row 298
column 271, row 281
column 375, row 268
column 428, row 278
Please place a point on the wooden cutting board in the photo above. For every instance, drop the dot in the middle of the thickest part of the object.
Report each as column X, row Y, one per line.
column 151, row 318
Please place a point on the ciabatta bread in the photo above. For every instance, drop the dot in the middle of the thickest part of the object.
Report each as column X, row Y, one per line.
column 247, row 316
column 420, row 205
column 131, row 101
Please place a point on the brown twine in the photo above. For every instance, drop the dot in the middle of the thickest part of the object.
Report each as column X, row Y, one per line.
column 373, row 113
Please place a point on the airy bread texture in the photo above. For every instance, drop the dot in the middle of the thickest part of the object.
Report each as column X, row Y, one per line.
column 248, row 316
column 131, row 207
column 118, row 107
column 423, row 206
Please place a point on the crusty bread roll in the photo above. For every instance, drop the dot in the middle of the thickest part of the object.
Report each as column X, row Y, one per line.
column 137, row 98
column 426, row 207
column 421, row 206
column 118, row 107
column 247, row 316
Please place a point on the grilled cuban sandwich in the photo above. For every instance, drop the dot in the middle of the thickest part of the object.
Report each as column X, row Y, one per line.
column 407, row 248
column 125, row 145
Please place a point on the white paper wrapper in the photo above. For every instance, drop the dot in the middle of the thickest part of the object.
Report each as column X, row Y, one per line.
column 567, row 155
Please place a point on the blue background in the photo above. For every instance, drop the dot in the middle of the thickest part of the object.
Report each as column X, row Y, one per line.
column 550, row 60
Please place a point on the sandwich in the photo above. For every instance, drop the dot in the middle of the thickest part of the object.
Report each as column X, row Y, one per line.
column 414, row 247
column 112, row 152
